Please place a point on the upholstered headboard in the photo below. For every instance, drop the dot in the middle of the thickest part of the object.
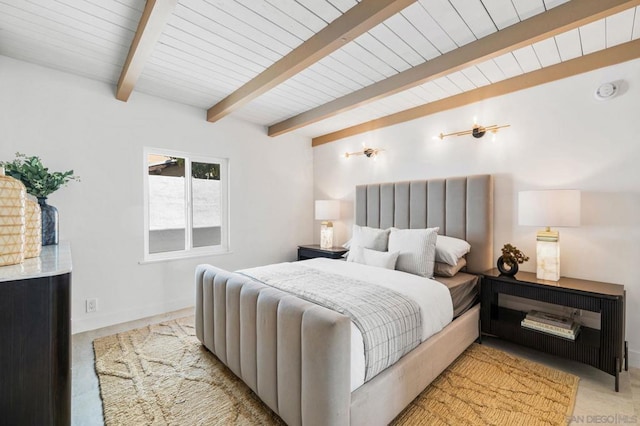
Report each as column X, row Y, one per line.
column 461, row 206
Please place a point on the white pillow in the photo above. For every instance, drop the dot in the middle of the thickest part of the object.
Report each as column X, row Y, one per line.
column 371, row 238
column 449, row 250
column 380, row 259
column 417, row 249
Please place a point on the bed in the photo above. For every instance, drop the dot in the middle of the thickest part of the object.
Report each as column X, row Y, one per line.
column 296, row 355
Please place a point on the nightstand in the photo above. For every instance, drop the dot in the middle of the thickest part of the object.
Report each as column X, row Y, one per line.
column 314, row 250
column 603, row 347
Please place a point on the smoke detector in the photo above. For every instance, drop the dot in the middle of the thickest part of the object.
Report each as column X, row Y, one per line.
column 606, row 91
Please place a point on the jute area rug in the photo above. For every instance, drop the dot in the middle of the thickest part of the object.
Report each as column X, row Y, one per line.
column 162, row 375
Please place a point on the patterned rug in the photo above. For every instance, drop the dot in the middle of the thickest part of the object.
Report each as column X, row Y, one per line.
column 162, row 375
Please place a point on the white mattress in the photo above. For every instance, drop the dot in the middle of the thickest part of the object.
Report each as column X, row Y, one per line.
column 433, row 298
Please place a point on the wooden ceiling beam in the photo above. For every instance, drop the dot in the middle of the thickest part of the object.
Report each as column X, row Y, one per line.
column 356, row 21
column 603, row 58
column 560, row 19
column 152, row 23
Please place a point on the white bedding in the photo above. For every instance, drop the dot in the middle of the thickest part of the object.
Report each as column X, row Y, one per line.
column 433, row 298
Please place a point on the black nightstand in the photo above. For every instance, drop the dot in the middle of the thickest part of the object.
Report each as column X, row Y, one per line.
column 314, row 250
column 603, row 347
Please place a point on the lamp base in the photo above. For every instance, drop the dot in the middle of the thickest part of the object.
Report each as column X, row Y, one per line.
column 548, row 260
column 326, row 235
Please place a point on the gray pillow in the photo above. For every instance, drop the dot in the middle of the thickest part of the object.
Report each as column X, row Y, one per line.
column 371, row 238
column 445, row 270
column 417, row 249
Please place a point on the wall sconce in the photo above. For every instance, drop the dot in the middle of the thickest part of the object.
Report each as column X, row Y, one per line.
column 367, row 152
column 477, row 131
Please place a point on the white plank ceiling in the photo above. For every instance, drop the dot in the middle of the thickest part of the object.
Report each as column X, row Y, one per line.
column 210, row 48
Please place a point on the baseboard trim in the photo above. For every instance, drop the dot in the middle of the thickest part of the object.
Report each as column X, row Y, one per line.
column 92, row 322
column 634, row 359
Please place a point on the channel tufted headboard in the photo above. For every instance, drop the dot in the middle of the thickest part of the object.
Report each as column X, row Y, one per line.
column 461, row 206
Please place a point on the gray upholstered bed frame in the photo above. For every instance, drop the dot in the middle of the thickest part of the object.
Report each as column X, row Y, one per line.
column 296, row 355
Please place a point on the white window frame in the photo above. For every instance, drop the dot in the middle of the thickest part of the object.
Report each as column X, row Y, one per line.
column 189, row 250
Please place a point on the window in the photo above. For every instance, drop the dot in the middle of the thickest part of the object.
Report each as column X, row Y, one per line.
column 186, row 205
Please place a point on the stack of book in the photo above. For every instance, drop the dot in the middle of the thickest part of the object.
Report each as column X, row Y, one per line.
column 556, row 325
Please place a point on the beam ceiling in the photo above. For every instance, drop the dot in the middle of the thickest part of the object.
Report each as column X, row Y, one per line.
column 152, row 23
column 603, row 58
column 356, row 21
column 565, row 17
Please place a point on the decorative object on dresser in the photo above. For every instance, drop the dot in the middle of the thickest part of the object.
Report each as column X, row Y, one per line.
column 314, row 250
column 50, row 224
column 40, row 182
column 600, row 345
column 35, row 331
column 326, row 211
column 12, row 221
column 558, row 207
column 33, row 229
column 511, row 257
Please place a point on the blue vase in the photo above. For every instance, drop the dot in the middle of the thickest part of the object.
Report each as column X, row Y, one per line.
column 49, row 222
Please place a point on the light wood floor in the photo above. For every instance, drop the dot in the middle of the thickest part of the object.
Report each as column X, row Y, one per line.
column 597, row 402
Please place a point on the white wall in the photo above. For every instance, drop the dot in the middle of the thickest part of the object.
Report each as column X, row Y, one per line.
column 76, row 123
column 560, row 137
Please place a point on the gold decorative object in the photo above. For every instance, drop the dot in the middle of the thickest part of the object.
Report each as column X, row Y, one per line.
column 12, row 222
column 33, row 229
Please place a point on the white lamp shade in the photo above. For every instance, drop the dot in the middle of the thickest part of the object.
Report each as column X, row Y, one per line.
column 558, row 207
column 327, row 209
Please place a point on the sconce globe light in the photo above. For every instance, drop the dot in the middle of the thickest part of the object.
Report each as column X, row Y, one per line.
column 558, row 208
column 326, row 211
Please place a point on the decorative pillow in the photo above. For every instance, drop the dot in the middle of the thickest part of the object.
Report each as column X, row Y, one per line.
column 417, row 250
column 371, row 238
column 444, row 270
column 380, row 259
column 449, row 250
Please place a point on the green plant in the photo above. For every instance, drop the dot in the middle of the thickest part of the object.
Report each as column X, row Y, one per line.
column 511, row 255
column 38, row 180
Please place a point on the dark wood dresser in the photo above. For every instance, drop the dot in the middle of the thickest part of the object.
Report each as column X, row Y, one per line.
column 603, row 347
column 35, row 331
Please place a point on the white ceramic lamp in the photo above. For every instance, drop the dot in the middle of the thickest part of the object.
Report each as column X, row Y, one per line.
column 326, row 211
column 558, row 208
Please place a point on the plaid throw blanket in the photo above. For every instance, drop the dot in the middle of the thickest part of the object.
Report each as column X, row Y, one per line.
column 390, row 322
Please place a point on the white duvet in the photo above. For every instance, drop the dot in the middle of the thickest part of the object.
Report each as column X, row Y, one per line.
column 433, row 298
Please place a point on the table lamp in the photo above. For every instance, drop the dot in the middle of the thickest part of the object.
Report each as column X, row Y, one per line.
column 558, row 207
column 326, row 211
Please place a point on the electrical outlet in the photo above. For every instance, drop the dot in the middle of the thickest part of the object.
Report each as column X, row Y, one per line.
column 92, row 305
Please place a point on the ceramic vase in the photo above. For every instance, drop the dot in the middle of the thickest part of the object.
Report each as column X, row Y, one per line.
column 33, row 229
column 505, row 269
column 12, row 222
